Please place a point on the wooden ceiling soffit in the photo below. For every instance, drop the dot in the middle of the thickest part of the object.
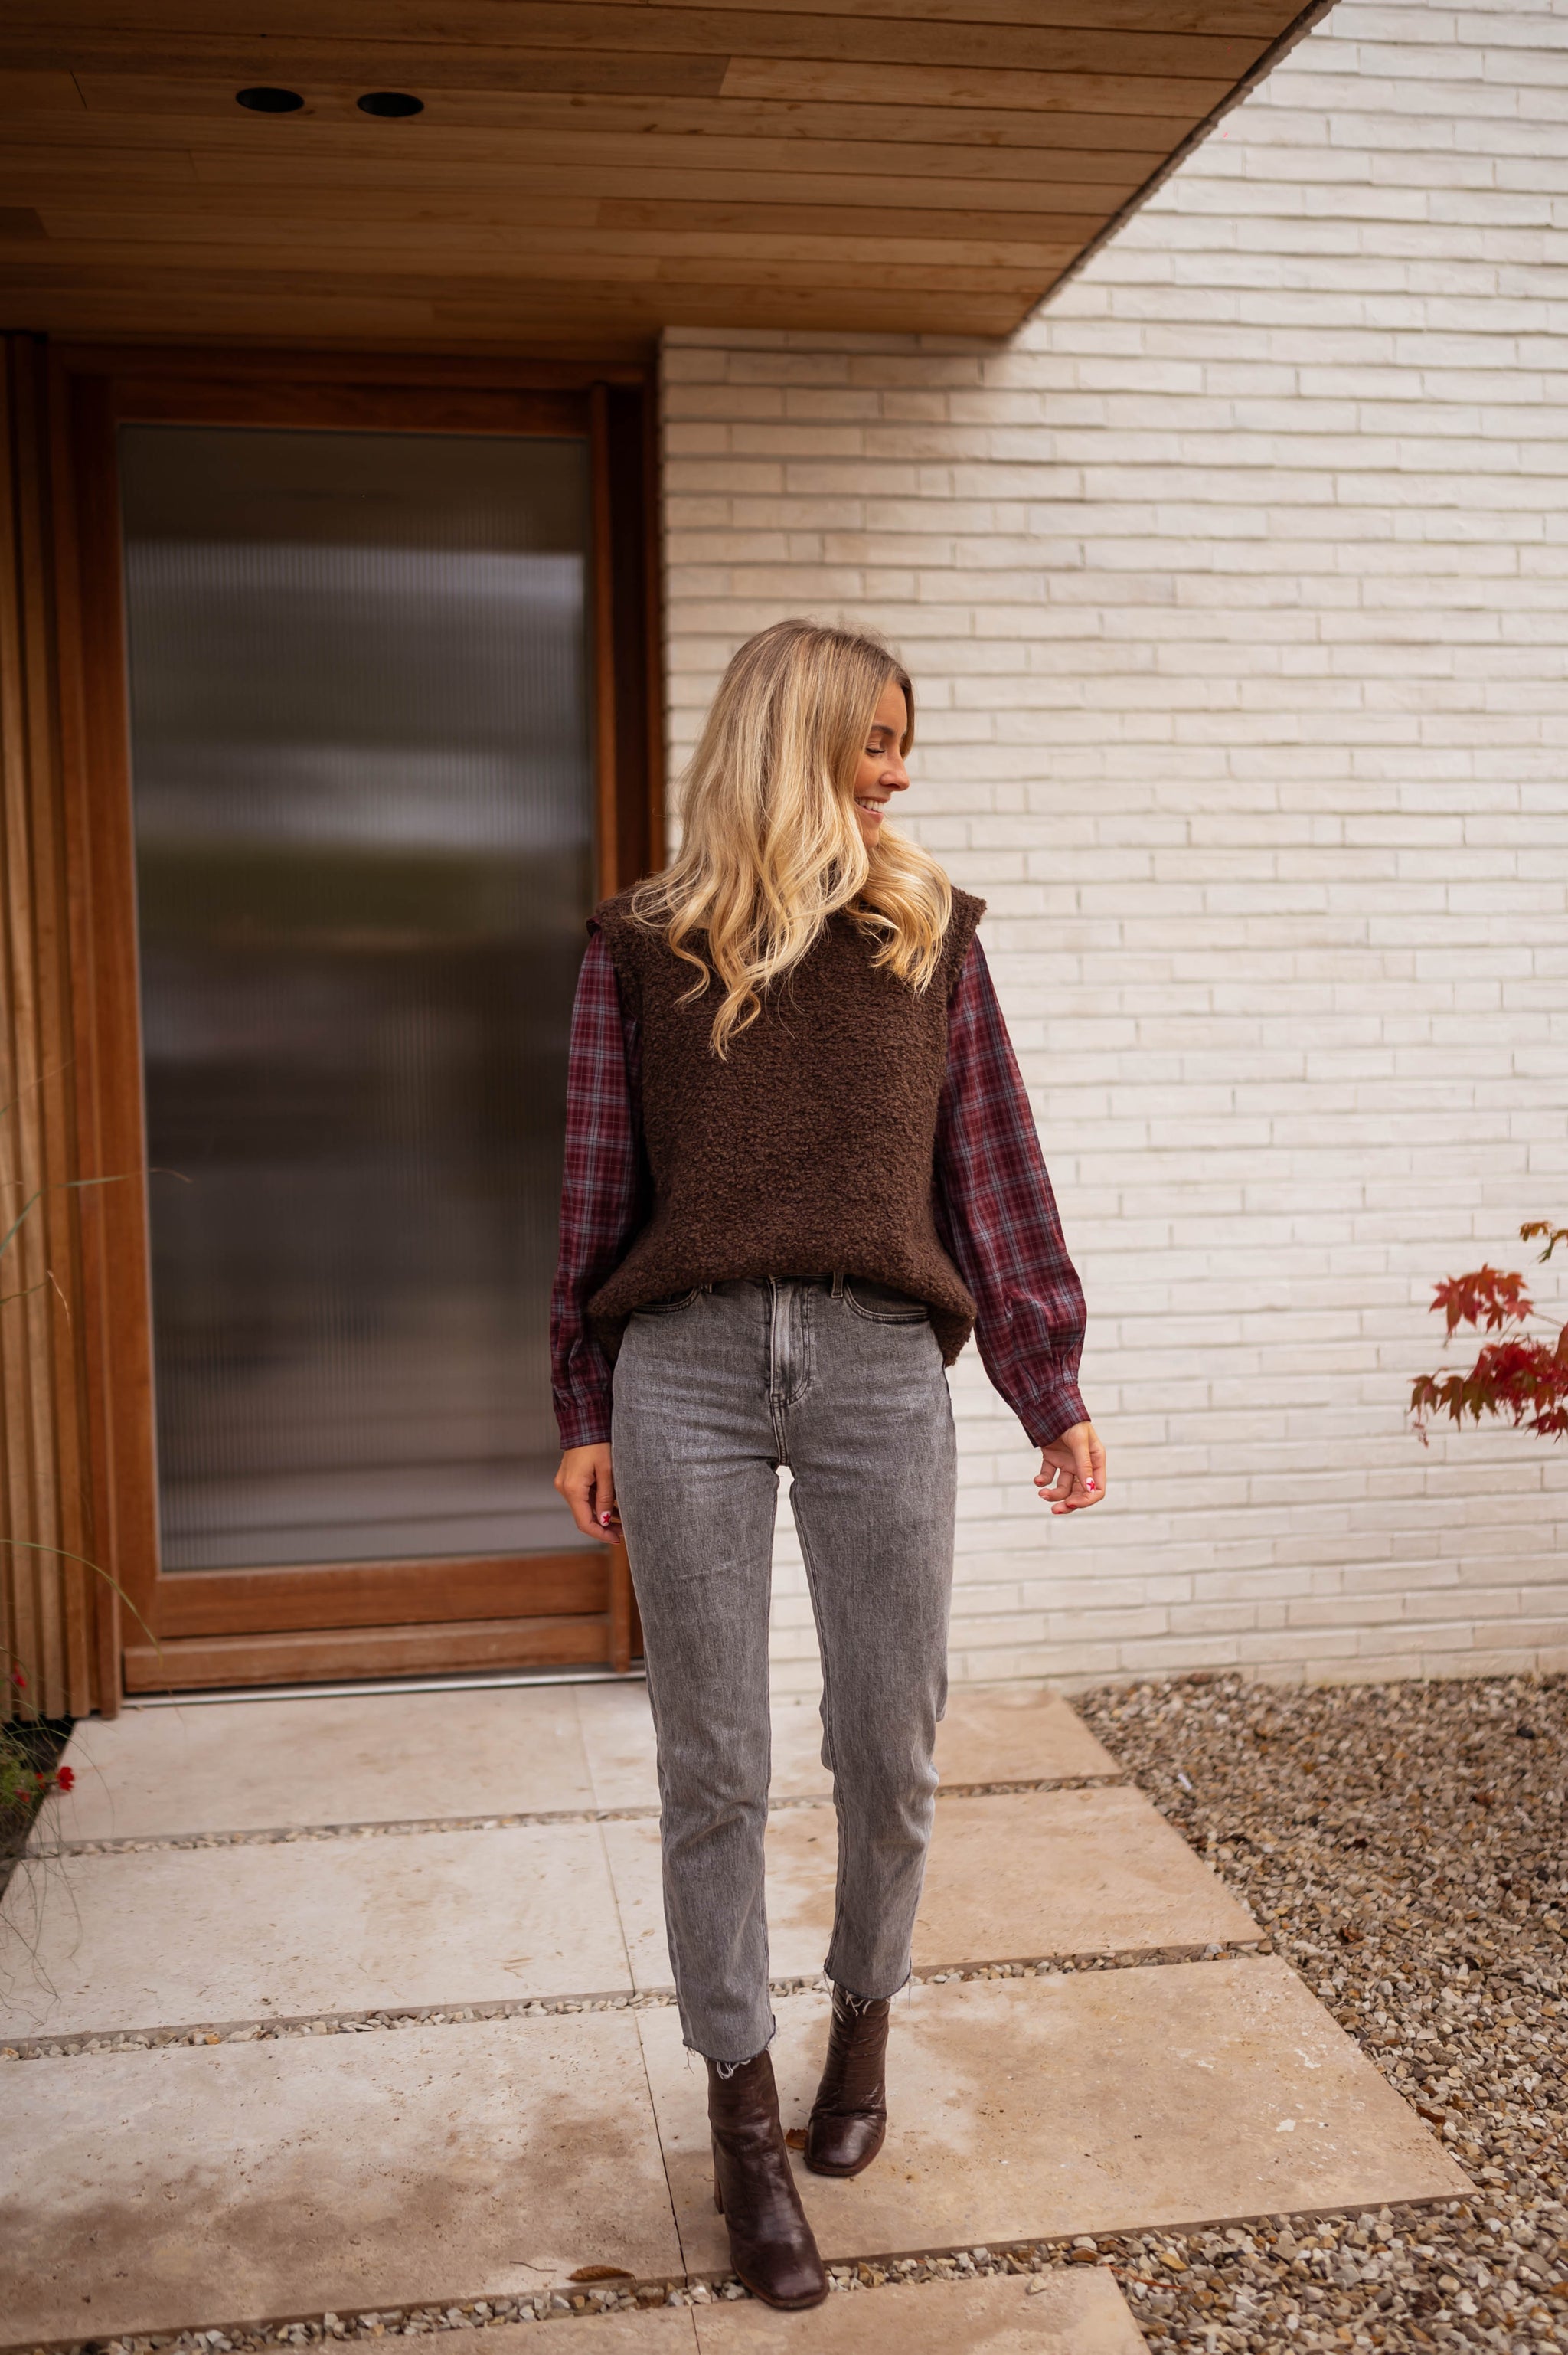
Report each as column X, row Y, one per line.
column 588, row 173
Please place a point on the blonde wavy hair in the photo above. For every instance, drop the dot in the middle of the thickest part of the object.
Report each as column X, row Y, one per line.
column 770, row 845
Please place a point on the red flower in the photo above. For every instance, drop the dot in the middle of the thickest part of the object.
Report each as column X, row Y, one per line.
column 66, row 1778
column 19, row 1680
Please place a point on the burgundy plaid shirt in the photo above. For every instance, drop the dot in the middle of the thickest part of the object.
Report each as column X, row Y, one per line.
column 995, row 1211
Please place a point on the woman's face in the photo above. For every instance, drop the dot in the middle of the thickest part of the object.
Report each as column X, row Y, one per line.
column 882, row 772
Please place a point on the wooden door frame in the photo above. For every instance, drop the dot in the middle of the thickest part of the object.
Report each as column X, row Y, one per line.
column 249, row 1626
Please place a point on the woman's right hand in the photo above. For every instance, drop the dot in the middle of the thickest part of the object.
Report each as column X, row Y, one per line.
column 587, row 1483
column 1072, row 1472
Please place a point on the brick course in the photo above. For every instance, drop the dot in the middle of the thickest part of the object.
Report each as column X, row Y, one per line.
column 1235, row 591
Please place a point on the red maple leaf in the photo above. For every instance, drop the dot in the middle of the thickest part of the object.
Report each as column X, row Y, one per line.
column 1523, row 1377
column 1489, row 1297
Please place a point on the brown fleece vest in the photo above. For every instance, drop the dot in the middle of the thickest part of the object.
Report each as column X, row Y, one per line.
column 808, row 1151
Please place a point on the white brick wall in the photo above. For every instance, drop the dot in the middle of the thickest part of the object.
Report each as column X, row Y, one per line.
column 1236, row 592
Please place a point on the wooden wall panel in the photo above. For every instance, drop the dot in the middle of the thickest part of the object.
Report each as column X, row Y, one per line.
column 588, row 170
column 48, row 1600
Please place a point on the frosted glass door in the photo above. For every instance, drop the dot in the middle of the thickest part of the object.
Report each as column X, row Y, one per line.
column 360, row 673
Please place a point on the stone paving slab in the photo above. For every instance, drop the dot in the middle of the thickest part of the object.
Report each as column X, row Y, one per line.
column 1093, row 2101
column 1081, row 2312
column 193, row 2186
column 1077, row 2313
column 656, row 2330
column 178, row 1938
column 991, row 1734
column 260, row 1765
column 616, row 1730
column 1015, row 1733
column 618, row 1736
column 1066, row 1872
column 267, row 1766
column 1010, row 1877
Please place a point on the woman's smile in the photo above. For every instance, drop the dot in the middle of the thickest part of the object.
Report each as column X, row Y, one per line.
column 882, row 772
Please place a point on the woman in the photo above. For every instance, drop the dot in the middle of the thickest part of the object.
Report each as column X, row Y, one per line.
column 800, row 1169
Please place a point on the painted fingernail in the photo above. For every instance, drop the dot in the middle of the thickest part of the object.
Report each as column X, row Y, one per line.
column 1088, row 1483
column 604, row 1520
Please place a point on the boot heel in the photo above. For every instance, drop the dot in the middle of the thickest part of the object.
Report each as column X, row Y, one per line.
column 719, row 2195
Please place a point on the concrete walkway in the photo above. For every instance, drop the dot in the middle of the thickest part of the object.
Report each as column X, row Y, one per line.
column 327, row 2005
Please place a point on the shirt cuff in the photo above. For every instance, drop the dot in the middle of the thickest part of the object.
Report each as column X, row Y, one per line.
column 583, row 1423
column 1048, row 1417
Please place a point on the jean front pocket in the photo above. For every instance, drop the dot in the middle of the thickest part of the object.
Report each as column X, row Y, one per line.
column 880, row 1305
column 670, row 1307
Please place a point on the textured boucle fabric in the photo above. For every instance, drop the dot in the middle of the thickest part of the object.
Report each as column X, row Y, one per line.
column 808, row 1151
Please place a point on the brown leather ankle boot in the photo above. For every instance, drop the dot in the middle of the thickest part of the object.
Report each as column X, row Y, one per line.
column 849, row 2116
column 771, row 2245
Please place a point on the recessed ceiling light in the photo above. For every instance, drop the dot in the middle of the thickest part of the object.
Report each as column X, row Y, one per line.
column 265, row 101
column 390, row 102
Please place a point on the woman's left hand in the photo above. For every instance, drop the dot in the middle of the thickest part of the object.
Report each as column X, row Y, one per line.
column 1072, row 1470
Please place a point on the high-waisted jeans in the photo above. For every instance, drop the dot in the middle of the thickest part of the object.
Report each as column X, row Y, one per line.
column 713, row 1391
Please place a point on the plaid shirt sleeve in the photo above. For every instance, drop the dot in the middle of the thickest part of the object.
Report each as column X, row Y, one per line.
column 999, row 1220
column 603, row 1194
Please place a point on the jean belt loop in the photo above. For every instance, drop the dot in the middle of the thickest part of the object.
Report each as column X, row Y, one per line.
column 837, row 1284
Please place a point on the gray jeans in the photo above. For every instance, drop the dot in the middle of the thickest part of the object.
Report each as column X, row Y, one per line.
column 713, row 1391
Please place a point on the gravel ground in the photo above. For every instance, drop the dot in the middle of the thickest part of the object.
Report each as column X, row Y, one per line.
column 1405, row 1846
